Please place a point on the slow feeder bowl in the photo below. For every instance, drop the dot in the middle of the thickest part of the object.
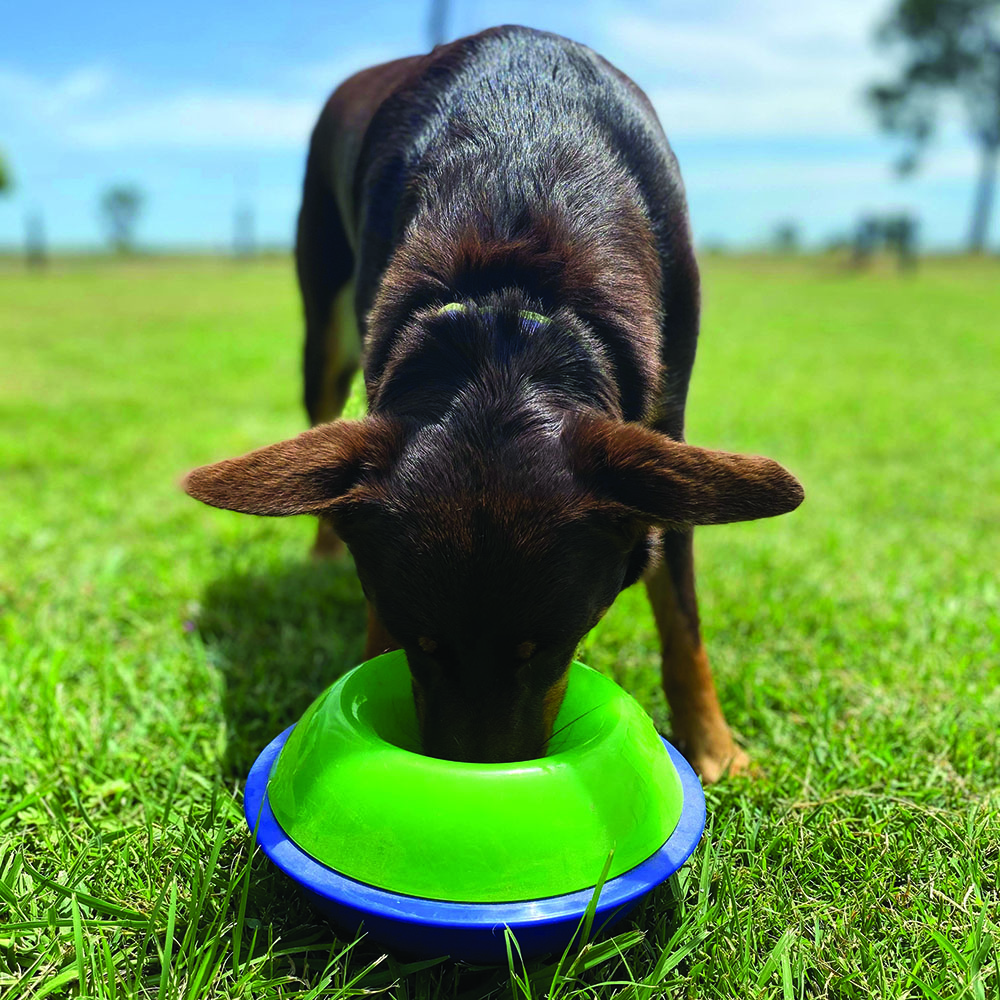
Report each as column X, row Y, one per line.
column 437, row 857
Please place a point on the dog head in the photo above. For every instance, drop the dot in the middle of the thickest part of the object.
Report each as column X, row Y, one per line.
column 489, row 555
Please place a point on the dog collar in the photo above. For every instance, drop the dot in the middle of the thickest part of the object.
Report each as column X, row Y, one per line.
column 459, row 307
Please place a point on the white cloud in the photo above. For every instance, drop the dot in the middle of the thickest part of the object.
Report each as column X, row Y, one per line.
column 727, row 78
column 731, row 68
column 85, row 108
column 25, row 96
column 766, row 109
column 85, row 85
column 201, row 120
column 837, row 174
column 761, row 66
column 325, row 75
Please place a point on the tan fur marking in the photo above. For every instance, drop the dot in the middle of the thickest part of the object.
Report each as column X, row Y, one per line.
column 553, row 702
column 419, row 701
column 379, row 641
column 328, row 544
column 699, row 727
column 343, row 355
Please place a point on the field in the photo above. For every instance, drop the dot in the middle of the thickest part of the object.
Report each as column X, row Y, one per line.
column 151, row 646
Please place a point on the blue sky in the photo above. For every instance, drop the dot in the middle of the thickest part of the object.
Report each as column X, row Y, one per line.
column 209, row 105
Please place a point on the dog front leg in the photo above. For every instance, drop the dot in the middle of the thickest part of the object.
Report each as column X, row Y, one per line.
column 700, row 729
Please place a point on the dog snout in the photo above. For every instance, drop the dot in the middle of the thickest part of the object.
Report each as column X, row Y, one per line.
column 483, row 737
column 462, row 744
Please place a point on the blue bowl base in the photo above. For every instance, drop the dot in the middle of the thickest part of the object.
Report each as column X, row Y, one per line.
column 467, row 932
column 460, row 944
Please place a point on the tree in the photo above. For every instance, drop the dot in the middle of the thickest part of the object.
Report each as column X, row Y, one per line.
column 785, row 238
column 244, row 242
column 35, row 247
column 120, row 206
column 949, row 47
column 5, row 179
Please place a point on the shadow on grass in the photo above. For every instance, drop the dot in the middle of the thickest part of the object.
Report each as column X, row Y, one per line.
column 279, row 639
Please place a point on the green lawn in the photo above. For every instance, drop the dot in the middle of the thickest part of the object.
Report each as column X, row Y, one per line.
column 151, row 646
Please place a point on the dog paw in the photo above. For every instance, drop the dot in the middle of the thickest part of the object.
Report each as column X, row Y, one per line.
column 713, row 764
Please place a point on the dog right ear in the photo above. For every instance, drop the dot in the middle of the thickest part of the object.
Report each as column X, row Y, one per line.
column 307, row 474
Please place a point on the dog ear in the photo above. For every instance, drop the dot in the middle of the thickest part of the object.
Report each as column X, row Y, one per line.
column 668, row 482
column 304, row 475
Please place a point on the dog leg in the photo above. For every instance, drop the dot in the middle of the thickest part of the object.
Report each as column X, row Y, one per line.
column 332, row 347
column 700, row 729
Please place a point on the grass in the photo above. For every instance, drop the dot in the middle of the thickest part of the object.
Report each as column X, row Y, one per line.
column 150, row 647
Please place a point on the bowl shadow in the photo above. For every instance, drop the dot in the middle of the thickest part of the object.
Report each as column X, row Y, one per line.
column 279, row 639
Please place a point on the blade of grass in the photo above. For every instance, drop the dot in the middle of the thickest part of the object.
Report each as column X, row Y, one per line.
column 100, row 905
column 774, row 959
column 81, row 974
column 110, row 969
column 166, row 954
column 519, row 979
column 61, row 980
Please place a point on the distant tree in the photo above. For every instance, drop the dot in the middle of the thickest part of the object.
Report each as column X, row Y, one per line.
column 837, row 242
column 786, row 237
column 120, row 206
column 866, row 238
column 715, row 245
column 900, row 234
column 244, row 239
column 949, row 47
column 6, row 182
column 896, row 233
column 35, row 246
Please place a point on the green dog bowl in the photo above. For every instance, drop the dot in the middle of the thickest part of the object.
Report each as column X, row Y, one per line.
column 351, row 789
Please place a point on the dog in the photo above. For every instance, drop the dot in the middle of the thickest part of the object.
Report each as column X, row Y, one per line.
column 507, row 222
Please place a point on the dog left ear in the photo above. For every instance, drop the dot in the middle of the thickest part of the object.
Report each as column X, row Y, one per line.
column 669, row 482
column 307, row 474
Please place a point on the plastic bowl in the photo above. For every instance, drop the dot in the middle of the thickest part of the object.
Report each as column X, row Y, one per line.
column 436, row 857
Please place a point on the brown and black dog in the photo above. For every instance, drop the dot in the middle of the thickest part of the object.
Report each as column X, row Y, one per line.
column 511, row 223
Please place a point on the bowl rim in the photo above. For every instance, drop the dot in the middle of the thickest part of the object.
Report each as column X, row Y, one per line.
column 331, row 885
column 352, row 788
